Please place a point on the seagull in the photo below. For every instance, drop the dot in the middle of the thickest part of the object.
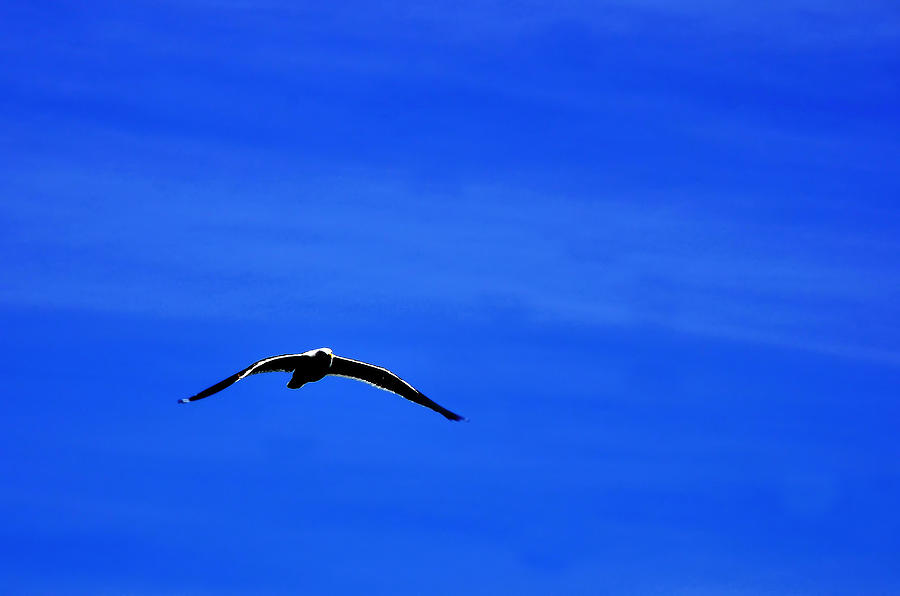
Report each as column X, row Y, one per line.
column 314, row 365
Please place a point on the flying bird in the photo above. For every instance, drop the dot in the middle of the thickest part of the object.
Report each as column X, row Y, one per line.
column 314, row 365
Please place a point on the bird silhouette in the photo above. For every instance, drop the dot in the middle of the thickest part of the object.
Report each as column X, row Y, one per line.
column 315, row 365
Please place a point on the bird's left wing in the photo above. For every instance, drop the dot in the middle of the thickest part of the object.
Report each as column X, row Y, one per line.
column 385, row 379
column 283, row 363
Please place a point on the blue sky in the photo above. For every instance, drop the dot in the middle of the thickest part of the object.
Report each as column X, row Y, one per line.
column 649, row 249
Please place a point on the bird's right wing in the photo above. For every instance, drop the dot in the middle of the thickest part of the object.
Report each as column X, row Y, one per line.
column 283, row 363
column 385, row 379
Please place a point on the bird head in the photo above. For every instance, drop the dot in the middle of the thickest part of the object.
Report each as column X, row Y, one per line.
column 323, row 354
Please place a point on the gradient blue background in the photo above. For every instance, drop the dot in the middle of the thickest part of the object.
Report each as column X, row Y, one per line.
column 650, row 249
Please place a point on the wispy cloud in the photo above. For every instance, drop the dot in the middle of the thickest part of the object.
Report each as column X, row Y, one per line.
column 711, row 192
column 201, row 248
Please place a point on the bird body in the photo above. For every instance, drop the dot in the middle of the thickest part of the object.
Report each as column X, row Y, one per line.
column 314, row 365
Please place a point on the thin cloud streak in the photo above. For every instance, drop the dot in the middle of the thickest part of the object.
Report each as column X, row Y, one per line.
column 597, row 262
